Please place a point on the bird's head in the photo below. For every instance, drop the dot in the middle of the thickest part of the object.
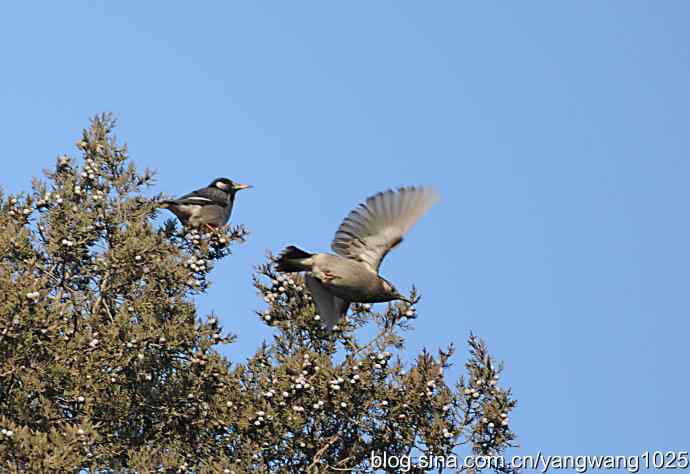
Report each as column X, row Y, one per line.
column 227, row 185
column 392, row 293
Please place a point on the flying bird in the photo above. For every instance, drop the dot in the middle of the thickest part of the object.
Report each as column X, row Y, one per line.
column 363, row 239
column 210, row 206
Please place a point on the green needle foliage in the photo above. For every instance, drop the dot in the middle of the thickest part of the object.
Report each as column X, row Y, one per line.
column 106, row 366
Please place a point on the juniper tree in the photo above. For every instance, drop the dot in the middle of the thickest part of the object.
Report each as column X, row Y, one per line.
column 105, row 364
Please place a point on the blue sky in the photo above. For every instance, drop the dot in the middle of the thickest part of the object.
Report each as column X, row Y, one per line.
column 556, row 133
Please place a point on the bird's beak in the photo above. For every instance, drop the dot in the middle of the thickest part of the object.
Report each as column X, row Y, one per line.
column 239, row 186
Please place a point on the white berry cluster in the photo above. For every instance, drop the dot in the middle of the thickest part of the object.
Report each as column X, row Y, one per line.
column 89, row 171
column 472, row 393
column 430, row 386
column 272, row 294
column 307, row 363
column 280, row 285
column 336, row 383
column 319, row 404
column 24, row 212
column 199, row 358
column 98, row 195
column 196, row 264
column 219, row 240
column 259, row 420
column 194, row 236
column 33, row 296
column 489, row 425
column 380, row 360
column 45, row 200
column 63, row 161
column 300, row 382
column 285, row 296
column 266, row 315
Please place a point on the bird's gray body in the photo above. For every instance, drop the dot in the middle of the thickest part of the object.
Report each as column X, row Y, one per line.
column 196, row 216
column 364, row 238
column 203, row 206
column 211, row 206
column 349, row 279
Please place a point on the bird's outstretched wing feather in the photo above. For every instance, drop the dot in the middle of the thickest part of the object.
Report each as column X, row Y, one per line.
column 330, row 307
column 372, row 229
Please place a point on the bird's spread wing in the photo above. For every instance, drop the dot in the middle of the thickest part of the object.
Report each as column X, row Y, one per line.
column 204, row 197
column 330, row 307
column 372, row 229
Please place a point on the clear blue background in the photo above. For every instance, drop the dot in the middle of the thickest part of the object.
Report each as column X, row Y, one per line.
column 556, row 132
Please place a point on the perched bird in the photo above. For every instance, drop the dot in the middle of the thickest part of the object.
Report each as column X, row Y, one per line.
column 364, row 238
column 210, row 206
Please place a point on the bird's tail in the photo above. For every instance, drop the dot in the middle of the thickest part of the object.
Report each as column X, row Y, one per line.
column 293, row 259
column 164, row 204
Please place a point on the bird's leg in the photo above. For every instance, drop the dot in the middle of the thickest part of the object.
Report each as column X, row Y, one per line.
column 324, row 276
column 210, row 228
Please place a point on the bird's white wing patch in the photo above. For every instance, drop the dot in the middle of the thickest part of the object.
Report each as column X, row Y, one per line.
column 199, row 200
column 330, row 307
column 372, row 229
